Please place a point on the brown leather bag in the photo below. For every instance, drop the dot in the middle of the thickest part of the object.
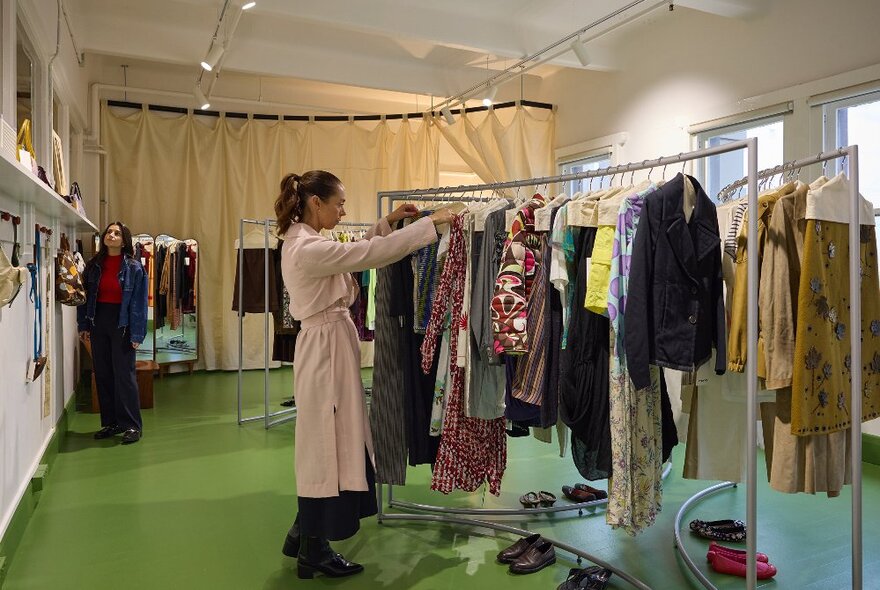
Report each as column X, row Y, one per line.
column 69, row 288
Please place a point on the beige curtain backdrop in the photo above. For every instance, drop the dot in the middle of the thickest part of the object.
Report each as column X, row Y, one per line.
column 195, row 177
column 505, row 144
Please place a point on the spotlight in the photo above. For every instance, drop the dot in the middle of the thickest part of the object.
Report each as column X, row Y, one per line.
column 201, row 99
column 580, row 50
column 447, row 114
column 213, row 57
column 490, row 96
column 248, row 5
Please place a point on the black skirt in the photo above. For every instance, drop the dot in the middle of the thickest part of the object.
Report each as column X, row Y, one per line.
column 584, row 403
column 338, row 517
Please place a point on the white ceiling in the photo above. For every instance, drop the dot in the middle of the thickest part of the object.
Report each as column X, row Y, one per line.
column 413, row 46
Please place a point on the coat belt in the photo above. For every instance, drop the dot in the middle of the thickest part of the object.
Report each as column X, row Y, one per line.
column 325, row 317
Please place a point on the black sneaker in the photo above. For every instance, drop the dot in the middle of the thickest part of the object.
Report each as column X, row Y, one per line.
column 107, row 432
column 131, row 436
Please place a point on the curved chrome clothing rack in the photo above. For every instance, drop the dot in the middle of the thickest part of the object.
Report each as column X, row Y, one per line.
column 851, row 152
column 434, row 194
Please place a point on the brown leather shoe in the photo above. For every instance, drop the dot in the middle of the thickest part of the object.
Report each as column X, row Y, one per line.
column 536, row 558
column 513, row 552
column 576, row 495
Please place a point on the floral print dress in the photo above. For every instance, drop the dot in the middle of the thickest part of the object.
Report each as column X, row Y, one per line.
column 635, row 487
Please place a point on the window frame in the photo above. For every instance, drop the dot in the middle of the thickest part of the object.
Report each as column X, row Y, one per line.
column 830, row 130
column 586, row 157
column 701, row 137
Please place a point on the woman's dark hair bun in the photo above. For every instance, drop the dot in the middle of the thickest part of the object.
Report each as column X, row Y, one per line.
column 290, row 205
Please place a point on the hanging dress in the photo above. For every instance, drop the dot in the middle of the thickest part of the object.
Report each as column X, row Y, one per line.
column 472, row 450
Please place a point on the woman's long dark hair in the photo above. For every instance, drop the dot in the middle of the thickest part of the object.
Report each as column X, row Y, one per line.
column 295, row 189
column 127, row 245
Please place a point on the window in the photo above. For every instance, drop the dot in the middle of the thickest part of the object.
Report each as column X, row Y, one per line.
column 24, row 89
column 719, row 171
column 594, row 162
column 856, row 121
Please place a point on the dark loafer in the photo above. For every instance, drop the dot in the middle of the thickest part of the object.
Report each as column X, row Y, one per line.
column 107, row 432
column 131, row 436
column 536, row 558
column 513, row 552
column 600, row 494
column 576, row 495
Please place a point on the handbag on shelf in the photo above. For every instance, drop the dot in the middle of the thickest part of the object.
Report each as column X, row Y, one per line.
column 69, row 288
column 25, row 144
column 75, row 199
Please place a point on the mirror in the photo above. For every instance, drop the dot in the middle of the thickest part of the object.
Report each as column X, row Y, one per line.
column 175, row 300
column 145, row 251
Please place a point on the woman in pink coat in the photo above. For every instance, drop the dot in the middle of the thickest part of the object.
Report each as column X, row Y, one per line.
column 334, row 449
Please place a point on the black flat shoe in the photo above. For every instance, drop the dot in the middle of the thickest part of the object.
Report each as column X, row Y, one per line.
column 732, row 531
column 131, row 436
column 107, row 432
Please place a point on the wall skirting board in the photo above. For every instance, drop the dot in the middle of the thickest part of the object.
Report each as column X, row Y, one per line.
column 29, row 500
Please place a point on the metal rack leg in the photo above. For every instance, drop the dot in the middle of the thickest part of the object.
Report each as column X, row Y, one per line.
column 685, row 508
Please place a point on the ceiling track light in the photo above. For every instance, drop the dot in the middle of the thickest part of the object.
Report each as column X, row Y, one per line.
column 248, row 5
column 580, row 50
column 447, row 114
column 491, row 91
column 201, row 99
column 213, row 56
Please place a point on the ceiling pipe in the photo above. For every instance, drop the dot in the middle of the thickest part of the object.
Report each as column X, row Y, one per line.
column 540, row 57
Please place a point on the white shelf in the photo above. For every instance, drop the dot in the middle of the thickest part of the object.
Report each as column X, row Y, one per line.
column 21, row 185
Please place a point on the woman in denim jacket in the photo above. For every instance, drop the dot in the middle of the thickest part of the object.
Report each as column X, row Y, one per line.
column 114, row 320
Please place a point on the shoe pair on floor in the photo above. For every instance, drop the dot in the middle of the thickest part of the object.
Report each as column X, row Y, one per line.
column 581, row 492
column 132, row 435
column 528, row 555
column 726, row 560
column 591, row 578
column 314, row 555
column 535, row 499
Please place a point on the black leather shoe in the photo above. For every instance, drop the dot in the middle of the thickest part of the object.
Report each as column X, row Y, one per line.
column 107, row 432
column 291, row 542
column 536, row 558
column 315, row 555
column 131, row 436
column 513, row 552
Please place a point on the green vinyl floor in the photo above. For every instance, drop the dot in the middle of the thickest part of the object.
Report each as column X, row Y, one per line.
column 202, row 503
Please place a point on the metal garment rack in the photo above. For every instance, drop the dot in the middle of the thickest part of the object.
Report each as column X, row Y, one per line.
column 751, row 145
column 851, row 152
column 269, row 419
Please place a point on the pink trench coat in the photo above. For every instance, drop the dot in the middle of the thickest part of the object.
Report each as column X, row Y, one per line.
column 332, row 429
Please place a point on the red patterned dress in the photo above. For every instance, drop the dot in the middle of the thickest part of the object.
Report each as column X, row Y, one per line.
column 472, row 450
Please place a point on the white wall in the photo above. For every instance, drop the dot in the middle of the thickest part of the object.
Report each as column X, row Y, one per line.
column 24, row 431
column 688, row 67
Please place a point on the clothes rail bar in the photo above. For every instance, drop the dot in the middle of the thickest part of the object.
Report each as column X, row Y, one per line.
column 416, row 194
column 433, row 194
column 851, row 152
column 788, row 167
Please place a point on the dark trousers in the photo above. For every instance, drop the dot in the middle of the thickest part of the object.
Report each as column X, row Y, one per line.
column 113, row 361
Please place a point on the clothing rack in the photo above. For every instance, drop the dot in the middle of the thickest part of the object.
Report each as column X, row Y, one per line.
column 269, row 419
column 851, row 152
column 433, row 194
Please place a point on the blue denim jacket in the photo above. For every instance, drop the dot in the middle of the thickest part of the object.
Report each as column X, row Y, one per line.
column 132, row 313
